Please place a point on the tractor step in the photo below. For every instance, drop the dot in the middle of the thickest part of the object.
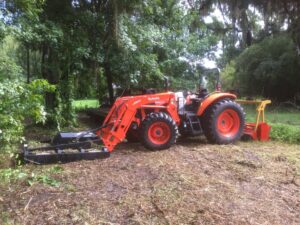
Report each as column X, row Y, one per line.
column 194, row 124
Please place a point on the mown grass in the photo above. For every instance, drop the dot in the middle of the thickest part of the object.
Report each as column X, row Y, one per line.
column 285, row 123
column 85, row 104
column 275, row 115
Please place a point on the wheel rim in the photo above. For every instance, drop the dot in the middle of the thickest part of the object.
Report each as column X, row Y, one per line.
column 159, row 133
column 228, row 123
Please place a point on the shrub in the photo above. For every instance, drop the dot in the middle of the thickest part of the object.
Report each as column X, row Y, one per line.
column 269, row 68
column 285, row 133
column 20, row 101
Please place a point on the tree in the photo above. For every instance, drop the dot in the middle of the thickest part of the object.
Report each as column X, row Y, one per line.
column 270, row 69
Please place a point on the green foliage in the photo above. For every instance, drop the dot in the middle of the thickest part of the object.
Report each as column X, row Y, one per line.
column 55, row 169
column 84, row 104
column 2, row 30
column 270, row 68
column 228, row 76
column 30, row 8
column 9, row 68
column 43, row 179
column 67, row 112
column 83, row 47
column 12, row 175
column 164, row 39
column 18, row 102
column 76, row 46
column 19, row 174
column 285, row 133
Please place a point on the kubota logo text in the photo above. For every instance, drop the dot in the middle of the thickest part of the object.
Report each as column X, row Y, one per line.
column 153, row 98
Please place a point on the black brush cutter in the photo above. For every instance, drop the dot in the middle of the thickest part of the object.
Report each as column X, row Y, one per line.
column 67, row 147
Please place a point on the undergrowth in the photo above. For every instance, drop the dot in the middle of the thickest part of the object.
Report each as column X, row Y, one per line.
column 11, row 175
column 285, row 133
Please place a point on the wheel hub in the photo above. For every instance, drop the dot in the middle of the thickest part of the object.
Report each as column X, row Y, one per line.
column 159, row 133
column 228, row 123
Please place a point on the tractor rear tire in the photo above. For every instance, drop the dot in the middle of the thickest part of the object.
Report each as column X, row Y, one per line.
column 223, row 122
column 158, row 131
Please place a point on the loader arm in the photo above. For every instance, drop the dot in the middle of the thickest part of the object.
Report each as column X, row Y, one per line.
column 124, row 111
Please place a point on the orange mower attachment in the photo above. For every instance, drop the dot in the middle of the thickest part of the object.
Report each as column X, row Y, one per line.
column 259, row 130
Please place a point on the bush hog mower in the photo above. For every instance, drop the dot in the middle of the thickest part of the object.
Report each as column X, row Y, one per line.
column 259, row 130
column 153, row 119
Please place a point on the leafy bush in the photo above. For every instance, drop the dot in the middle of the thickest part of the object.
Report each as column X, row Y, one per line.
column 228, row 78
column 269, row 68
column 285, row 133
column 20, row 101
column 9, row 68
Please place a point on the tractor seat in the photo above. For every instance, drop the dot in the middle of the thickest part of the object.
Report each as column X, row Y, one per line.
column 196, row 102
column 193, row 107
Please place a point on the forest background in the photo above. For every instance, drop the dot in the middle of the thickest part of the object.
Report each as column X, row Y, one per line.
column 54, row 52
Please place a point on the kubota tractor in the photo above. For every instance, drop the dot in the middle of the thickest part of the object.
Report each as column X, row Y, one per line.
column 155, row 120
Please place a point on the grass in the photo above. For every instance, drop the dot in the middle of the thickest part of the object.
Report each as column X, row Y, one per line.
column 276, row 116
column 85, row 103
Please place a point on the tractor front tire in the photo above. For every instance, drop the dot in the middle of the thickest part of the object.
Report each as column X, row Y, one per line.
column 223, row 122
column 158, row 131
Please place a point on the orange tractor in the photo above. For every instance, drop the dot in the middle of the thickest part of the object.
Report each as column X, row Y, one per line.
column 155, row 120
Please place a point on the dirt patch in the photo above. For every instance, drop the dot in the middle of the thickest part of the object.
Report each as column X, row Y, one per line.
column 191, row 183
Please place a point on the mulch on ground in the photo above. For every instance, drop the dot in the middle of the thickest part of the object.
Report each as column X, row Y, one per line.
column 191, row 183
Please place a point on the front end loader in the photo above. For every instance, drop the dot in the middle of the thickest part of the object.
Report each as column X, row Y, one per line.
column 155, row 120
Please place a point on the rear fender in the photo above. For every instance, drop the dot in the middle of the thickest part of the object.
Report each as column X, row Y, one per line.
column 212, row 99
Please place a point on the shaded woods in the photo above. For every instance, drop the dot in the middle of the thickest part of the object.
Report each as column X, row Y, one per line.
column 86, row 47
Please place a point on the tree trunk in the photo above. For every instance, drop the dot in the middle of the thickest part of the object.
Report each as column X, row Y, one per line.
column 28, row 64
column 115, row 23
column 97, row 80
column 109, row 81
column 267, row 14
column 246, row 30
column 234, row 11
column 111, row 42
column 48, row 75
